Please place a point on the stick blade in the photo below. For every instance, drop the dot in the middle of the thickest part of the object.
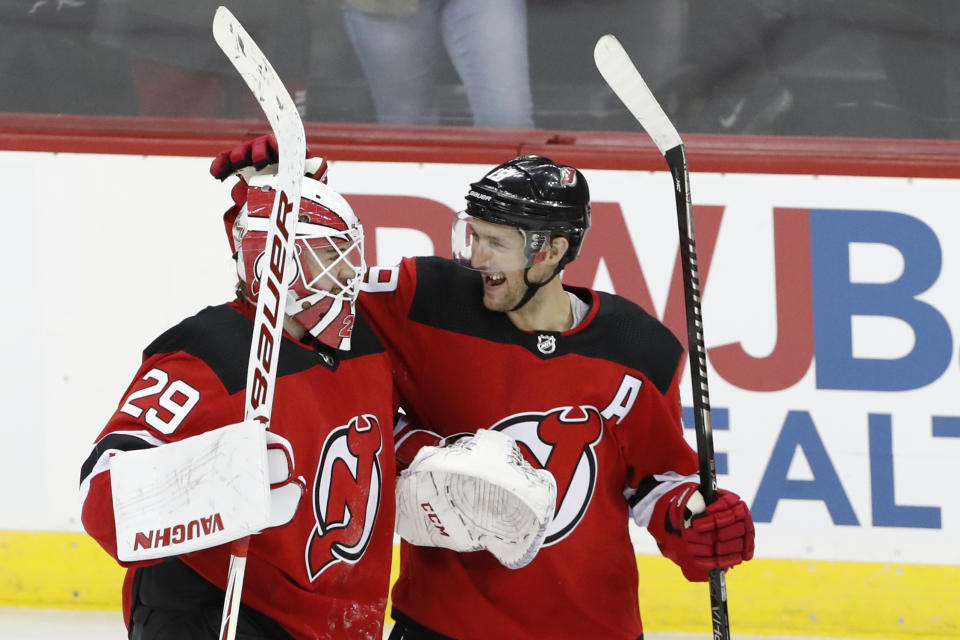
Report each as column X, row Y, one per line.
column 622, row 76
column 266, row 86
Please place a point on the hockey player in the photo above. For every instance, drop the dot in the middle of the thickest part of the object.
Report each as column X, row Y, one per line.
column 586, row 383
column 162, row 489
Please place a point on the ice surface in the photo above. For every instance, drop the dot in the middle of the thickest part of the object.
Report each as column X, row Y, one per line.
column 50, row 624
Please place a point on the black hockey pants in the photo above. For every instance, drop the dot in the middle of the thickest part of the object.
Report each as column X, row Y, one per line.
column 172, row 602
column 404, row 628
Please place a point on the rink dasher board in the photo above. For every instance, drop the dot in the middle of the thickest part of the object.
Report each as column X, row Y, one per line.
column 846, row 462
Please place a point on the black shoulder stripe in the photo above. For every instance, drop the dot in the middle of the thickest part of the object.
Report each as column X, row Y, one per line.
column 220, row 336
column 628, row 335
column 216, row 335
column 112, row 441
column 450, row 297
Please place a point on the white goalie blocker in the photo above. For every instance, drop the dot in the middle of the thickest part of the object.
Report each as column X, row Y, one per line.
column 477, row 493
column 199, row 492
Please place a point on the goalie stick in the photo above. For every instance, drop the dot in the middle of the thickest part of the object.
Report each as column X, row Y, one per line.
column 620, row 73
column 285, row 122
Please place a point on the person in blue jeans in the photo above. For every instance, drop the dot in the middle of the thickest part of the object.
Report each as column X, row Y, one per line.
column 398, row 45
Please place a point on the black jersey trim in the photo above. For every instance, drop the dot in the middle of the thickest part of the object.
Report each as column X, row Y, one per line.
column 450, row 297
column 112, row 441
column 405, row 628
column 646, row 485
column 625, row 333
column 220, row 336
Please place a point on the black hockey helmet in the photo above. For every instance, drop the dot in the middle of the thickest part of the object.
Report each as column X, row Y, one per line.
column 534, row 193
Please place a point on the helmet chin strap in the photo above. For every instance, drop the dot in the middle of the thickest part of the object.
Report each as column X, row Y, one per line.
column 533, row 287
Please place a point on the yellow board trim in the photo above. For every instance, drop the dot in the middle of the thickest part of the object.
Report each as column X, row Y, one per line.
column 58, row 571
column 766, row 597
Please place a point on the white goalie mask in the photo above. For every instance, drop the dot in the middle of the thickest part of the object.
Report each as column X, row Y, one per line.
column 328, row 257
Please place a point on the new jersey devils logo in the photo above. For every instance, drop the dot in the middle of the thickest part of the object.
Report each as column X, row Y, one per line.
column 562, row 441
column 346, row 494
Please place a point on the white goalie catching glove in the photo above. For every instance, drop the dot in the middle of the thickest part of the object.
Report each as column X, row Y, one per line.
column 476, row 493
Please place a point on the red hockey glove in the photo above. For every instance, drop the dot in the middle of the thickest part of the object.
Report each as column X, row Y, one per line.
column 699, row 539
column 256, row 153
column 722, row 536
column 259, row 153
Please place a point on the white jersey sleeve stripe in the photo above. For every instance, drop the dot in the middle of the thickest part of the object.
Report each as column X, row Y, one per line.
column 643, row 501
column 98, row 460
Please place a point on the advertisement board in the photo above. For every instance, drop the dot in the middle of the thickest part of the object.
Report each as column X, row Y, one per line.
column 830, row 314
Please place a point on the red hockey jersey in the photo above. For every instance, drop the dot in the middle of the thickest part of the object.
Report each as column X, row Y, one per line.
column 598, row 406
column 325, row 574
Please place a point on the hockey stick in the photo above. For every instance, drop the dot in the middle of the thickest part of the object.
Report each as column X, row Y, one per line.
column 284, row 119
column 620, row 73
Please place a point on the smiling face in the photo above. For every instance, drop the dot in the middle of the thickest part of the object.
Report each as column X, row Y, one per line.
column 498, row 252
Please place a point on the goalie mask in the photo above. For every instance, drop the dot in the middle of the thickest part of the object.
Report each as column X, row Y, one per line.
column 327, row 257
column 540, row 199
